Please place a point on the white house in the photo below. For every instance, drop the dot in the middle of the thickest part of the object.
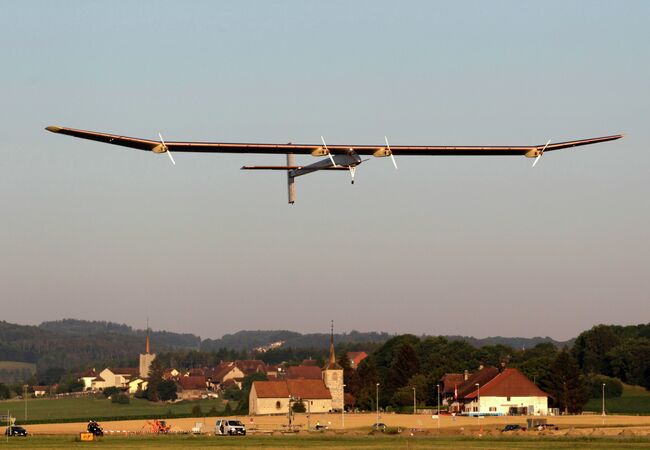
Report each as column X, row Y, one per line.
column 510, row 392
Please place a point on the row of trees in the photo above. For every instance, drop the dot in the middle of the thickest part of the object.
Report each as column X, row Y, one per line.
column 407, row 362
column 616, row 351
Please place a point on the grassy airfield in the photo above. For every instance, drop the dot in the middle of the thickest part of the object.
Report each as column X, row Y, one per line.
column 327, row 442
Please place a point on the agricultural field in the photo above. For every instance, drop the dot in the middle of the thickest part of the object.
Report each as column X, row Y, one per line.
column 12, row 371
column 328, row 442
column 635, row 400
column 84, row 408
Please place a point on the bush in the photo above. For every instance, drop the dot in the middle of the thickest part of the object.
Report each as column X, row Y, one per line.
column 613, row 386
column 122, row 399
column 196, row 410
column 298, row 407
column 213, row 411
column 110, row 391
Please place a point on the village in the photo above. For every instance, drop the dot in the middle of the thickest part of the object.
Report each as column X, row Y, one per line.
column 486, row 391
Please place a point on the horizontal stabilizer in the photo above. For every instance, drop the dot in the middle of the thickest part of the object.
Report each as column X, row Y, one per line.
column 289, row 168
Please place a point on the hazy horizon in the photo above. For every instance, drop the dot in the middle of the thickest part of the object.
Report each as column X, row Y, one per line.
column 478, row 246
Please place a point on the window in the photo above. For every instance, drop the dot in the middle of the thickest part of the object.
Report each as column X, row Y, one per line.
column 493, row 408
column 508, row 399
column 278, row 405
column 475, row 409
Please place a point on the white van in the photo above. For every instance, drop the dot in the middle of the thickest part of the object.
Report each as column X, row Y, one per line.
column 229, row 427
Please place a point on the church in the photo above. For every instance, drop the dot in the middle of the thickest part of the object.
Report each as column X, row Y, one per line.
column 317, row 395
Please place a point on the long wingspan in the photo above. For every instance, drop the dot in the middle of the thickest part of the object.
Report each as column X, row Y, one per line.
column 316, row 149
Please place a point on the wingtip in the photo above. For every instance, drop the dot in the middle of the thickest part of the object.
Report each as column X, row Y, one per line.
column 53, row 129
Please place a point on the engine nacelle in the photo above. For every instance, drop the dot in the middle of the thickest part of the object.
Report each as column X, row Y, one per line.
column 320, row 151
column 160, row 148
column 534, row 153
column 382, row 152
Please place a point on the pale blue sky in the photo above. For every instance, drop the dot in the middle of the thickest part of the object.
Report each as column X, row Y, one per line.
column 476, row 246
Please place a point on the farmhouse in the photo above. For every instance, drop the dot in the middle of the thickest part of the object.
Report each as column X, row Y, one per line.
column 492, row 392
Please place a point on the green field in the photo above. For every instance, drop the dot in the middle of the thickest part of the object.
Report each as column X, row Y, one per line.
column 12, row 371
column 327, row 442
column 99, row 408
column 635, row 400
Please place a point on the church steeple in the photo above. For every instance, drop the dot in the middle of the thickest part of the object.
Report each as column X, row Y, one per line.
column 332, row 364
column 332, row 355
column 147, row 346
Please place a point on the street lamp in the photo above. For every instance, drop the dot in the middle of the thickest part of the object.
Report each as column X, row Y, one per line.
column 603, row 399
column 414, row 402
column 377, row 403
column 343, row 409
column 438, row 391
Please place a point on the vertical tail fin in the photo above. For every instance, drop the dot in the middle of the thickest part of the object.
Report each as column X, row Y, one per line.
column 291, row 181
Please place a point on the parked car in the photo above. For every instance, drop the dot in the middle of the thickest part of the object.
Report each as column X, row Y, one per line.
column 379, row 426
column 511, row 427
column 229, row 427
column 15, row 430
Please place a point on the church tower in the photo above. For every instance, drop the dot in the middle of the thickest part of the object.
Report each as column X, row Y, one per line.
column 333, row 376
column 146, row 358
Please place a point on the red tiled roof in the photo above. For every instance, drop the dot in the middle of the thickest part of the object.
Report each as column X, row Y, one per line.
column 249, row 366
column 450, row 381
column 88, row 373
column 481, row 377
column 192, row 382
column 309, row 362
column 304, row 372
column 304, row 389
column 356, row 357
column 271, row 389
column 308, row 389
column 222, row 370
column 509, row 383
column 41, row 388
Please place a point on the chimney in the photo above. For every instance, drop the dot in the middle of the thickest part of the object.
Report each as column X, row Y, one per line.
column 466, row 375
column 480, row 367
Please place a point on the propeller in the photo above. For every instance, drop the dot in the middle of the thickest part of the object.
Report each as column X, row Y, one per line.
column 162, row 141
column 390, row 152
column 352, row 171
column 539, row 155
column 328, row 151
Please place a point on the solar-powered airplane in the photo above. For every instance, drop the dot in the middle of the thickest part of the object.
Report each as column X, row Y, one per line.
column 338, row 157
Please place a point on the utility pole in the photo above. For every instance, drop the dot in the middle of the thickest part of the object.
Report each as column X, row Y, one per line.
column 25, row 398
column 603, row 399
column 377, row 404
column 343, row 410
column 415, row 405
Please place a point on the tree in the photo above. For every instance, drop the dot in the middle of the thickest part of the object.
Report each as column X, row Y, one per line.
column 404, row 395
column 364, row 387
column 566, row 384
column 591, row 347
column 247, row 384
column 110, row 391
column 167, row 390
column 298, row 407
column 404, row 365
column 156, row 371
column 630, row 361
column 613, row 386
column 5, row 392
